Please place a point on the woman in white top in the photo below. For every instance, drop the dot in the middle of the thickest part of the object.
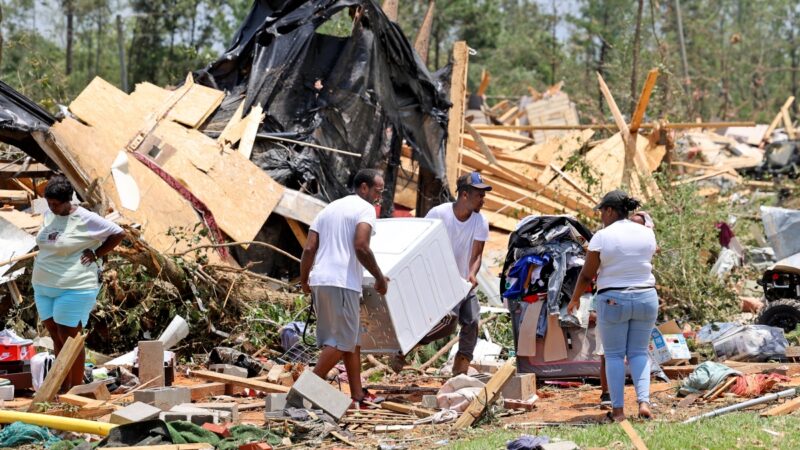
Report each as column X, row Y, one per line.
column 620, row 255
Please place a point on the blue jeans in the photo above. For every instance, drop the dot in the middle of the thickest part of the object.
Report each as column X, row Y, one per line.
column 626, row 320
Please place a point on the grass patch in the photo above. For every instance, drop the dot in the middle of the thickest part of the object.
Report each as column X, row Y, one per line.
column 737, row 430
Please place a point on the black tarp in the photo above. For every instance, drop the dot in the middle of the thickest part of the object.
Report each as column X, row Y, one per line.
column 348, row 93
column 19, row 117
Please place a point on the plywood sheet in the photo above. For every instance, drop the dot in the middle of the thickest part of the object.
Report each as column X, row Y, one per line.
column 161, row 207
column 191, row 110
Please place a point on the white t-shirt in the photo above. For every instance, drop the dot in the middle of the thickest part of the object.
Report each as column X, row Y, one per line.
column 62, row 240
column 626, row 251
column 336, row 263
column 462, row 234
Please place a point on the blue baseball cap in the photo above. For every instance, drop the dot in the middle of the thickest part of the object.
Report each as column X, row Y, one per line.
column 473, row 180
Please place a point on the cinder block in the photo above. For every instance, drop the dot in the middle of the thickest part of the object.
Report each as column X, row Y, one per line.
column 229, row 369
column 430, row 402
column 520, row 387
column 151, row 362
column 163, row 398
column 135, row 412
column 7, row 392
column 231, row 409
column 321, row 395
column 199, row 417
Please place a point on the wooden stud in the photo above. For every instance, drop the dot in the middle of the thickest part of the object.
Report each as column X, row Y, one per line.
column 96, row 391
column 407, row 409
column 455, row 126
column 298, row 231
column 13, row 289
column 787, row 407
column 635, row 439
column 239, row 381
column 58, row 373
column 487, row 396
column 644, row 100
column 776, row 120
column 205, row 390
column 423, row 40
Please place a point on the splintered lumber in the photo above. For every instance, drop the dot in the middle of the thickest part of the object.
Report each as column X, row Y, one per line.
column 611, row 126
column 239, row 381
column 458, row 97
column 90, row 412
column 644, row 100
column 248, row 137
column 487, row 395
column 298, row 231
column 633, row 435
column 58, row 373
column 701, row 177
column 79, row 400
column 719, row 390
column 480, row 143
column 783, row 409
column 776, row 120
column 407, row 409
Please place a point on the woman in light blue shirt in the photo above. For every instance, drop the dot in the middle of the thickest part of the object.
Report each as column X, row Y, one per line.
column 66, row 272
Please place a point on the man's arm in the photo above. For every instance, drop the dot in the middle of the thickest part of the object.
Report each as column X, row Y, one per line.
column 307, row 260
column 475, row 261
column 367, row 258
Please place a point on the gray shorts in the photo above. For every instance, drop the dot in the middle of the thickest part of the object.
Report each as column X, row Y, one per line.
column 338, row 317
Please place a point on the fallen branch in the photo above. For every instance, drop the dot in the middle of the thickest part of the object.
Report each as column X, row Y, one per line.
column 232, row 244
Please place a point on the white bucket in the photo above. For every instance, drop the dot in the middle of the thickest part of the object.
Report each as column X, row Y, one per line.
column 175, row 332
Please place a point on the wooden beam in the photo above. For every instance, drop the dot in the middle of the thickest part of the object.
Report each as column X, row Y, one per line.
column 488, row 395
column 298, row 231
column 787, row 407
column 787, row 123
column 239, row 381
column 572, row 183
column 776, row 120
column 79, row 400
column 33, row 170
column 16, row 295
column 455, row 126
column 84, row 413
column 627, row 139
column 390, row 9
column 481, row 144
column 58, row 373
column 701, row 177
column 485, row 79
column 407, row 409
column 633, row 435
column 644, row 100
column 423, row 40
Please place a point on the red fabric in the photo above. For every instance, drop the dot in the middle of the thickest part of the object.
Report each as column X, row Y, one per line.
column 757, row 384
column 205, row 213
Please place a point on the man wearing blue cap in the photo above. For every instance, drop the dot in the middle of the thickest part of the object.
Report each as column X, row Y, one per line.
column 468, row 231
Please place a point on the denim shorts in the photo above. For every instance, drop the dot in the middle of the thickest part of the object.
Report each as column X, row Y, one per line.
column 67, row 307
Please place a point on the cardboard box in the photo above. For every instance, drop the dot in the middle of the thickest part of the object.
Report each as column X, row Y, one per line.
column 667, row 344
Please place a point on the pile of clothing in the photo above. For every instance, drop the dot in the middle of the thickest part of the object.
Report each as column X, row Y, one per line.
column 544, row 258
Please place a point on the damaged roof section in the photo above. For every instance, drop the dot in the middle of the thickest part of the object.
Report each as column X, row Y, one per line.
column 19, row 117
column 351, row 94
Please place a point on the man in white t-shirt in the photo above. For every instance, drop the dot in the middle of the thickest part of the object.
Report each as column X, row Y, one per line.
column 468, row 231
column 334, row 258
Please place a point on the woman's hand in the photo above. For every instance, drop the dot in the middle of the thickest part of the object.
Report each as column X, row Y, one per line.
column 573, row 305
column 88, row 257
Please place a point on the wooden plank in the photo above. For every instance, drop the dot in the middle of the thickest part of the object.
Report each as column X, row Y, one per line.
column 407, row 409
column 151, row 362
column 455, row 126
column 481, row 144
column 644, row 100
column 205, row 390
column 58, row 373
column 79, row 400
column 787, row 407
column 16, row 295
column 787, row 123
column 196, row 105
column 33, row 170
column 487, row 396
column 776, row 120
column 251, row 124
column 700, row 177
column 239, row 381
column 572, row 183
column 84, row 413
column 232, row 131
column 14, row 196
column 688, row 400
column 633, row 435
column 95, row 391
column 298, row 231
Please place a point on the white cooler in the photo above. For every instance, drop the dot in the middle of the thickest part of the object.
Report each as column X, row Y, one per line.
column 425, row 284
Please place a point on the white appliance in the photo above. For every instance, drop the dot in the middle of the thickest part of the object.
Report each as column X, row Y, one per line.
column 424, row 285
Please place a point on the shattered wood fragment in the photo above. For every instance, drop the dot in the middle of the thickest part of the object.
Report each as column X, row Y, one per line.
column 407, row 409
column 487, row 396
column 239, row 381
column 248, row 136
column 788, row 407
column 458, row 97
column 58, row 373
column 633, row 435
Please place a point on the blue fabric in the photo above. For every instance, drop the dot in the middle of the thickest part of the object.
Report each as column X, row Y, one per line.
column 519, row 273
column 527, row 442
column 625, row 320
column 68, row 307
column 19, row 433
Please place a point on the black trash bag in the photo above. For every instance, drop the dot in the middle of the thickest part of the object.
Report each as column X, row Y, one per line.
column 148, row 432
column 227, row 355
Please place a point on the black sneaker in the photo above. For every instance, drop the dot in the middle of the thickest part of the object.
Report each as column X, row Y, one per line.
column 605, row 400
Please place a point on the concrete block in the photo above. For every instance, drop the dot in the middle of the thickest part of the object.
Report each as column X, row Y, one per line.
column 430, row 402
column 275, row 402
column 163, row 398
column 189, row 408
column 520, row 387
column 229, row 369
column 7, row 392
column 151, row 363
column 321, row 395
column 198, row 417
column 135, row 412
column 229, row 408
